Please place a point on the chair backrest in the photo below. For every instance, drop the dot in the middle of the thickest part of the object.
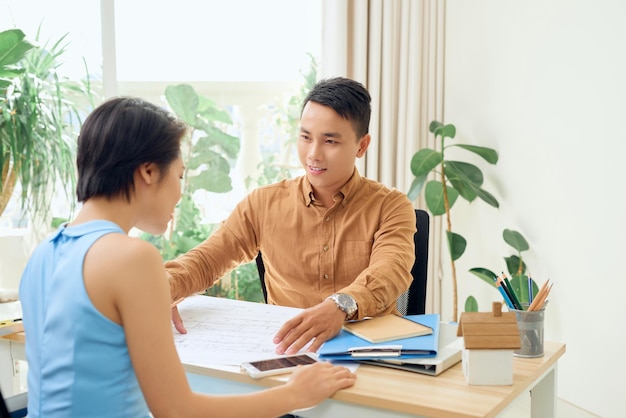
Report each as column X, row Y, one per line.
column 413, row 301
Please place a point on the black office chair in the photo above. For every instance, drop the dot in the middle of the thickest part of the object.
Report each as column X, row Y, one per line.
column 413, row 301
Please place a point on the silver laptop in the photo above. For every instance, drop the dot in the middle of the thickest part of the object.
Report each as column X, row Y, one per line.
column 448, row 354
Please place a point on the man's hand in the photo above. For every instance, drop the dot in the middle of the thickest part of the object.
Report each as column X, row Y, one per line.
column 317, row 324
column 178, row 321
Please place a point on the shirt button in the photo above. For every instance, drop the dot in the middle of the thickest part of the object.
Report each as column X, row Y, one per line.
column 326, row 276
column 325, row 247
column 327, row 218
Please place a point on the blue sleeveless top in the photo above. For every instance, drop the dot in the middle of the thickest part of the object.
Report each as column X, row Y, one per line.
column 78, row 362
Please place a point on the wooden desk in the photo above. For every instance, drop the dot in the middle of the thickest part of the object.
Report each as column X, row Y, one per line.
column 379, row 391
column 383, row 392
column 11, row 350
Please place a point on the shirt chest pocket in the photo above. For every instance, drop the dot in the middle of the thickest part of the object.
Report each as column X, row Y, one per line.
column 353, row 257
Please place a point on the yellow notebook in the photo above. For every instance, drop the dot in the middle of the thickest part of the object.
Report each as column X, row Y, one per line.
column 386, row 328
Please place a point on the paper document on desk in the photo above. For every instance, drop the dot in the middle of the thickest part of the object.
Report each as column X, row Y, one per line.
column 228, row 332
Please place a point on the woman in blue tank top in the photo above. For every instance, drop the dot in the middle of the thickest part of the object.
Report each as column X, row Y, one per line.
column 96, row 302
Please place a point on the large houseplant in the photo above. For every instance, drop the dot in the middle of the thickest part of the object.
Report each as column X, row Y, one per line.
column 40, row 113
column 452, row 179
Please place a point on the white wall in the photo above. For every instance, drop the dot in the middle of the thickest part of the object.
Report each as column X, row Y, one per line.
column 544, row 82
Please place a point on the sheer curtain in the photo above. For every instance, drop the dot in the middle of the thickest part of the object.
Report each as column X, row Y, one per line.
column 396, row 49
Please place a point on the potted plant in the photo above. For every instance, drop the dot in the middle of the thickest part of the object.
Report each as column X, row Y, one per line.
column 40, row 113
column 523, row 285
column 452, row 179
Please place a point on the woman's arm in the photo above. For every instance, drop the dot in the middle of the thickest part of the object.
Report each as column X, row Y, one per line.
column 142, row 299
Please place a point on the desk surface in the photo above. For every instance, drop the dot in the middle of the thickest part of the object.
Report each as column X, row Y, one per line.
column 400, row 392
column 416, row 394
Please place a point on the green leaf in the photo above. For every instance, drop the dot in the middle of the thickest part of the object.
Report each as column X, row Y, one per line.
column 484, row 274
column 456, row 245
column 184, row 102
column 449, row 131
column 467, row 172
column 515, row 240
column 519, row 283
column 488, row 198
column 208, row 160
column 488, row 154
column 471, row 305
column 212, row 181
column 433, row 195
column 424, row 161
column 513, row 263
column 209, row 110
column 416, row 187
column 218, row 138
column 466, row 178
column 13, row 48
column 434, row 125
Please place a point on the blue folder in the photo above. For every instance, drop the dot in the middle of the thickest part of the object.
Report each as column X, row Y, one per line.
column 347, row 346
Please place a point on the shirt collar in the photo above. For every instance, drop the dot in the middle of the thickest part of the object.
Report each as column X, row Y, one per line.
column 348, row 190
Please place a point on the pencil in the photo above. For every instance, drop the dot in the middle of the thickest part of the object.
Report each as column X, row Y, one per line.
column 176, row 302
column 541, row 297
column 516, row 302
column 504, row 292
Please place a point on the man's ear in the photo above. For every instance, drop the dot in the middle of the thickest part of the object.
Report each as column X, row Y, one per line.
column 364, row 142
column 148, row 172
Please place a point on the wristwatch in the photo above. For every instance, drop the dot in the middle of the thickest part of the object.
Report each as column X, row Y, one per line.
column 344, row 302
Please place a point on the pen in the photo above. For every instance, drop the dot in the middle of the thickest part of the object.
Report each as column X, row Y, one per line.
column 176, row 302
column 530, row 290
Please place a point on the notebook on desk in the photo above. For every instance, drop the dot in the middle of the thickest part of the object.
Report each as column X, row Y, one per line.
column 449, row 353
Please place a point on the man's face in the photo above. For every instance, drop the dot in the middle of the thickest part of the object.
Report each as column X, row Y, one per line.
column 328, row 147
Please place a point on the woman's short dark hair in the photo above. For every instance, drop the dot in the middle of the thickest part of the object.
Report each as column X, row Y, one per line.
column 349, row 98
column 116, row 138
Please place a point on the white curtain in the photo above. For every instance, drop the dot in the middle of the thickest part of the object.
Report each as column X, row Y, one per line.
column 396, row 49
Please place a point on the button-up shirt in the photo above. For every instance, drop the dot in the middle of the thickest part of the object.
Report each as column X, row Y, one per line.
column 362, row 245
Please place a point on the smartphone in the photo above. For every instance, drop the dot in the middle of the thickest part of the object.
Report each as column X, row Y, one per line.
column 277, row 365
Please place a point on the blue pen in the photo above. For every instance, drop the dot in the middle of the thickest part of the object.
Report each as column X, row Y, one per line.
column 530, row 290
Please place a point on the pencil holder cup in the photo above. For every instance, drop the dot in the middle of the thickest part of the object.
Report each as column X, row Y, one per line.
column 530, row 325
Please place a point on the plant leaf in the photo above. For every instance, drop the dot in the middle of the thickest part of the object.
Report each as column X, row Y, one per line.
column 424, row 161
column 469, row 173
column 471, row 305
column 466, row 178
column 212, row 181
column 456, row 245
column 184, row 102
column 488, row 154
column 434, row 125
column 416, row 187
column 433, row 195
column 13, row 48
column 515, row 240
column 449, row 131
column 484, row 274
column 488, row 198
column 513, row 263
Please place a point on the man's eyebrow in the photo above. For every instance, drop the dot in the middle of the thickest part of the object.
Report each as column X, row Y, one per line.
column 325, row 134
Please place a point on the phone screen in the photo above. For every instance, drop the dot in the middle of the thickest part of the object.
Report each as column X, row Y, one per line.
column 282, row 363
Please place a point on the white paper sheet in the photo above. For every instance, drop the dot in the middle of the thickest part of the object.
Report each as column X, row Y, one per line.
column 228, row 332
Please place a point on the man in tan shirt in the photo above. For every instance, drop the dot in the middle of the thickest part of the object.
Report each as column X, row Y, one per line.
column 334, row 243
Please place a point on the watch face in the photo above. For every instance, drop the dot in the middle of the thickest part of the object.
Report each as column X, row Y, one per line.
column 347, row 303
